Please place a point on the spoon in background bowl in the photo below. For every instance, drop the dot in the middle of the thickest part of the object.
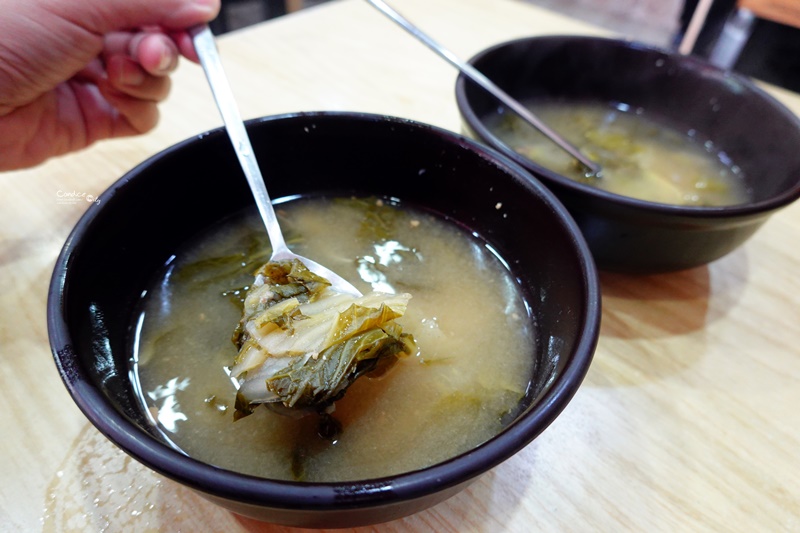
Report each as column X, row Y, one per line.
column 206, row 48
column 591, row 167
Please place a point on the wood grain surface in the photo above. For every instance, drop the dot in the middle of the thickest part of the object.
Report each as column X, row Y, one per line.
column 687, row 421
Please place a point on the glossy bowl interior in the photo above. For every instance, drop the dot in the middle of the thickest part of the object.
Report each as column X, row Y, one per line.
column 143, row 218
column 754, row 130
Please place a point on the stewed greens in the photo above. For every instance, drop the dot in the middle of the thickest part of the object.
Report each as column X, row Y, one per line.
column 302, row 344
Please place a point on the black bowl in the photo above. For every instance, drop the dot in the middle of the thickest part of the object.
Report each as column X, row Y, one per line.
column 115, row 249
column 625, row 234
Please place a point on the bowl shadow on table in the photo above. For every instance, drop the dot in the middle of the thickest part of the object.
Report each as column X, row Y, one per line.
column 675, row 303
column 644, row 314
column 658, row 305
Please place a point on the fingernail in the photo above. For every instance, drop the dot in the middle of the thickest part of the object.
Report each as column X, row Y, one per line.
column 167, row 61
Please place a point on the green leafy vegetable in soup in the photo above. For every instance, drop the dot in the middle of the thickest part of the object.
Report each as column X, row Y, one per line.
column 302, row 344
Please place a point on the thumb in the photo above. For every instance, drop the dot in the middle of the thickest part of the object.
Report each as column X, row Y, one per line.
column 103, row 16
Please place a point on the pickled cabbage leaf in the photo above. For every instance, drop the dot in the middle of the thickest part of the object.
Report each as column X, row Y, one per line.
column 301, row 344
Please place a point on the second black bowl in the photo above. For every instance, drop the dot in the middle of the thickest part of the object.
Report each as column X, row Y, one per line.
column 625, row 234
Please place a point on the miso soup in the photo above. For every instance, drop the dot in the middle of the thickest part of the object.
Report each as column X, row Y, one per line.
column 472, row 329
column 640, row 157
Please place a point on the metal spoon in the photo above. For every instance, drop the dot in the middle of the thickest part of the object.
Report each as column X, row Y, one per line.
column 476, row 76
column 212, row 65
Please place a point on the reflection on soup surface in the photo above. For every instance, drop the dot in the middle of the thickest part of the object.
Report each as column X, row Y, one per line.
column 639, row 157
column 469, row 320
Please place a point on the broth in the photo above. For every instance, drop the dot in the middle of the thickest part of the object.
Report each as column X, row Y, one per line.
column 640, row 158
column 470, row 322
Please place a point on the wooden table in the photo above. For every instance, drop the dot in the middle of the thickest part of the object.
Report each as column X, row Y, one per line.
column 688, row 420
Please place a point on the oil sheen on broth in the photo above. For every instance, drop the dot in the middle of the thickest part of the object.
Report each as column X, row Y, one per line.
column 640, row 158
column 472, row 329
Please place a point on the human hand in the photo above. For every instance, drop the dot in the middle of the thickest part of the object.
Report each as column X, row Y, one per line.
column 76, row 71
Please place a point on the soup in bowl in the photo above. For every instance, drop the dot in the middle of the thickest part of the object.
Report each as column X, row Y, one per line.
column 504, row 313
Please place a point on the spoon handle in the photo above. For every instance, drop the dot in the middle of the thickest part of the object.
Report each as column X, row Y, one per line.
column 476, row 76
column 206, row 48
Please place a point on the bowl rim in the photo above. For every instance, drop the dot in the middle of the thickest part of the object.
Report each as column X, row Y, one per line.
column 321, row 496
column 692, row 63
